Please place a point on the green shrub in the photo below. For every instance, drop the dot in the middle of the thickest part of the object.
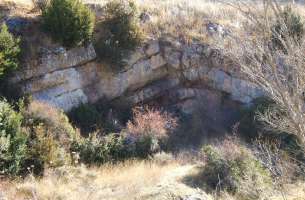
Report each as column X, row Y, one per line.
column 252, row 128
column 51, row 136
column 9, row 51
column 100, row 116
column 13, row 149
column 289, row 26
column 146, row 146
column 45, row 150
column 12, row 92
column 69, row 22
column 250, row 125
column 55, row 120
column 29, row 141
column 234, row 168
column 98, row 150
column 87, row 117
column 120, row 30
column 216, row 168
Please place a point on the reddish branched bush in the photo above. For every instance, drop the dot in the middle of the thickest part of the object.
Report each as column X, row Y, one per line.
column 151, row 122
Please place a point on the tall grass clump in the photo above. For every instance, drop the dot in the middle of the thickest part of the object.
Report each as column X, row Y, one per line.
column 120, row 30
column 69, row 22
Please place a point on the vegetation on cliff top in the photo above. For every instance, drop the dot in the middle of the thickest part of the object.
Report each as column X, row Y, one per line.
column 9, row 51
column 69, row 22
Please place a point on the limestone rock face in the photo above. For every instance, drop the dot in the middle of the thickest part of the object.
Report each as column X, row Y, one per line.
column 157, row 61
column 152, row 48
column 115, row 85
column 178, row 74
column 60, row 77
column 51, row 61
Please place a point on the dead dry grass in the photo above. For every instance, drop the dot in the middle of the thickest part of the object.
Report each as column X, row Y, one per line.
column 183, row 19
column 129, row 180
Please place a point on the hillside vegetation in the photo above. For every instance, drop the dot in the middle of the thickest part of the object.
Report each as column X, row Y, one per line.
column 112, row 150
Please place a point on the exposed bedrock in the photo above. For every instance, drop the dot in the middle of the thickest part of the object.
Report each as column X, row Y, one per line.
column 163, row 71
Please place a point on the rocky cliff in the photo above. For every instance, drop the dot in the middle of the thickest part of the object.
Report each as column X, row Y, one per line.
column 165, row 71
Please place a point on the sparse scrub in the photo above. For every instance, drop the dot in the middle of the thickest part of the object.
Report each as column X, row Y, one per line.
column 250, row 126
column 69, row 22
column 279, row 73
column 289, row 26
column 96, row 150
column 120, row 30
column 9, row 51
column 52, row 119
column 283, row 166
column 45, row 151
column 50, row 136
column 231, row 167
column 142, row 137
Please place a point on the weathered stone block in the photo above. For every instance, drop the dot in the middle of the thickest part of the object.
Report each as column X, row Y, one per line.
column 134, row 57
column 51, row 62
column 64, row 101
column 157, row 61
column 152, row 48
column 172, row 58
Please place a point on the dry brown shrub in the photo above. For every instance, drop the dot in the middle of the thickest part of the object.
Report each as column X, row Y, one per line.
column 151, row 122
